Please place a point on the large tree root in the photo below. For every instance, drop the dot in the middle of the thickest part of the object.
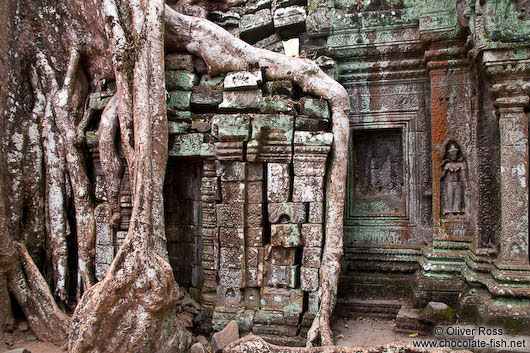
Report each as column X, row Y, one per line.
column 255, row 344
column 66, row 102
column 133, row 308
column 222, row 52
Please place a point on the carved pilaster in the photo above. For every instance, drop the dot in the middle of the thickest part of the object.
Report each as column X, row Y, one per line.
column 512, row 98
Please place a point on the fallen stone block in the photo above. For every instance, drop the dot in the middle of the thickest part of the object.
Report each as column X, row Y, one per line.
column 254, row 27
column 224, row 337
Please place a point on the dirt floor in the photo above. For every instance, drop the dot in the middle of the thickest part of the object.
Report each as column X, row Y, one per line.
column 359, row 332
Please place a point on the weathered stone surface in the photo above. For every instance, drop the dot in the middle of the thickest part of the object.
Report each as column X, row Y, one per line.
column 179, row 100
column 234, row 101
column 254, row 171
column 243, row 80
column 198, row 348
column 174, row 127
column 233, row 278
column 305, row 123
column 223, row 338
column 179, row 62
column 276, row 330
column 309, row 279
column 180, row 80
column 271, row 139
column 206, row 98
column 232, row 257
column 287, row 211
column 281, row 256
column 311, row 257
column 178, row 115
column 281, row 276
column 280, row 299
column 225, row 19
column 438, row 313
column 232, row 171
column 201, row 124
column 200, row 65
column 186, row 145
column 230, row 215
column 104, row 240
column 312, row 235
column 276, row 318
column 314, row 108
column 280, row 88
column 308, row 189
column 313, row 303
column 290, row 21
column 255, row 192
column 211, row 81
column 254, row 237
column 232, row 237
column 18, row 350
column 233, row 191
column 254, row 215
column 256, row 5
column 271, row 105
column 278, row 182
column 254, row 27
column 286, row 235
column 231, row 128
column 316, row 212
column 255, row 258
column 251, row 298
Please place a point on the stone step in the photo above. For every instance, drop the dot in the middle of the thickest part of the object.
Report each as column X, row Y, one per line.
column 407, row 321
column 376, row 308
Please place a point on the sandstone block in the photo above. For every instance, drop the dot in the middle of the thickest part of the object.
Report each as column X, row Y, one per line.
column 281, row 256
column 254, row 237
column 179, row 62
column 233, row 278
column 280, row 299
column 314, row 108
column 254, row 27
column 316, row 212
column 309, row 279
column 233, row 191
column 311, row 257
column 308, row 189
column 312, row 235
column 255, row 192
column 235, row 101
column 179, row 100
column 282, row 276
column 286, row 235
column 233, row 171
column 224, row 337
column 287, row 211
column 242, row 80
column 205, row 98
column 232, row 258
column 230, row 215
column 255, row 215
column 180, row 80
column 231, row 237
column 278, row 182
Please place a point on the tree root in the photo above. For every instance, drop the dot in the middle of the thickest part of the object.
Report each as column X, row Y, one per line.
column 251, row 344
column 65, row 103
column 222, row 52
column 110, row 162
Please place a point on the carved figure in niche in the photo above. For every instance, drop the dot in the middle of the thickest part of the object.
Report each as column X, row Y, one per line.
column 454, row 181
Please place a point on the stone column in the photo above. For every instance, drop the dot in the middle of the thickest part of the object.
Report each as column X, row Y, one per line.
column 513, row 124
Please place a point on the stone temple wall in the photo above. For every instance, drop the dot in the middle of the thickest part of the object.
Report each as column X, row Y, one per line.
column 243, row 197
column 437, row 203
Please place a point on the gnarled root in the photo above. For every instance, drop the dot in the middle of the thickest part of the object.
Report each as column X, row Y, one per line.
column 222, row 52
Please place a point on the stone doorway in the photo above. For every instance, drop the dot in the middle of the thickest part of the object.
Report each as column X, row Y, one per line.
column 182, row 200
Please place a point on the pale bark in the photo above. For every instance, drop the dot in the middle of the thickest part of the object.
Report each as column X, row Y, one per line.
column 54, row 167
column 139, row 291
column 108, row 155
column 222, row 52
column 65, row 102
column 46, row 320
